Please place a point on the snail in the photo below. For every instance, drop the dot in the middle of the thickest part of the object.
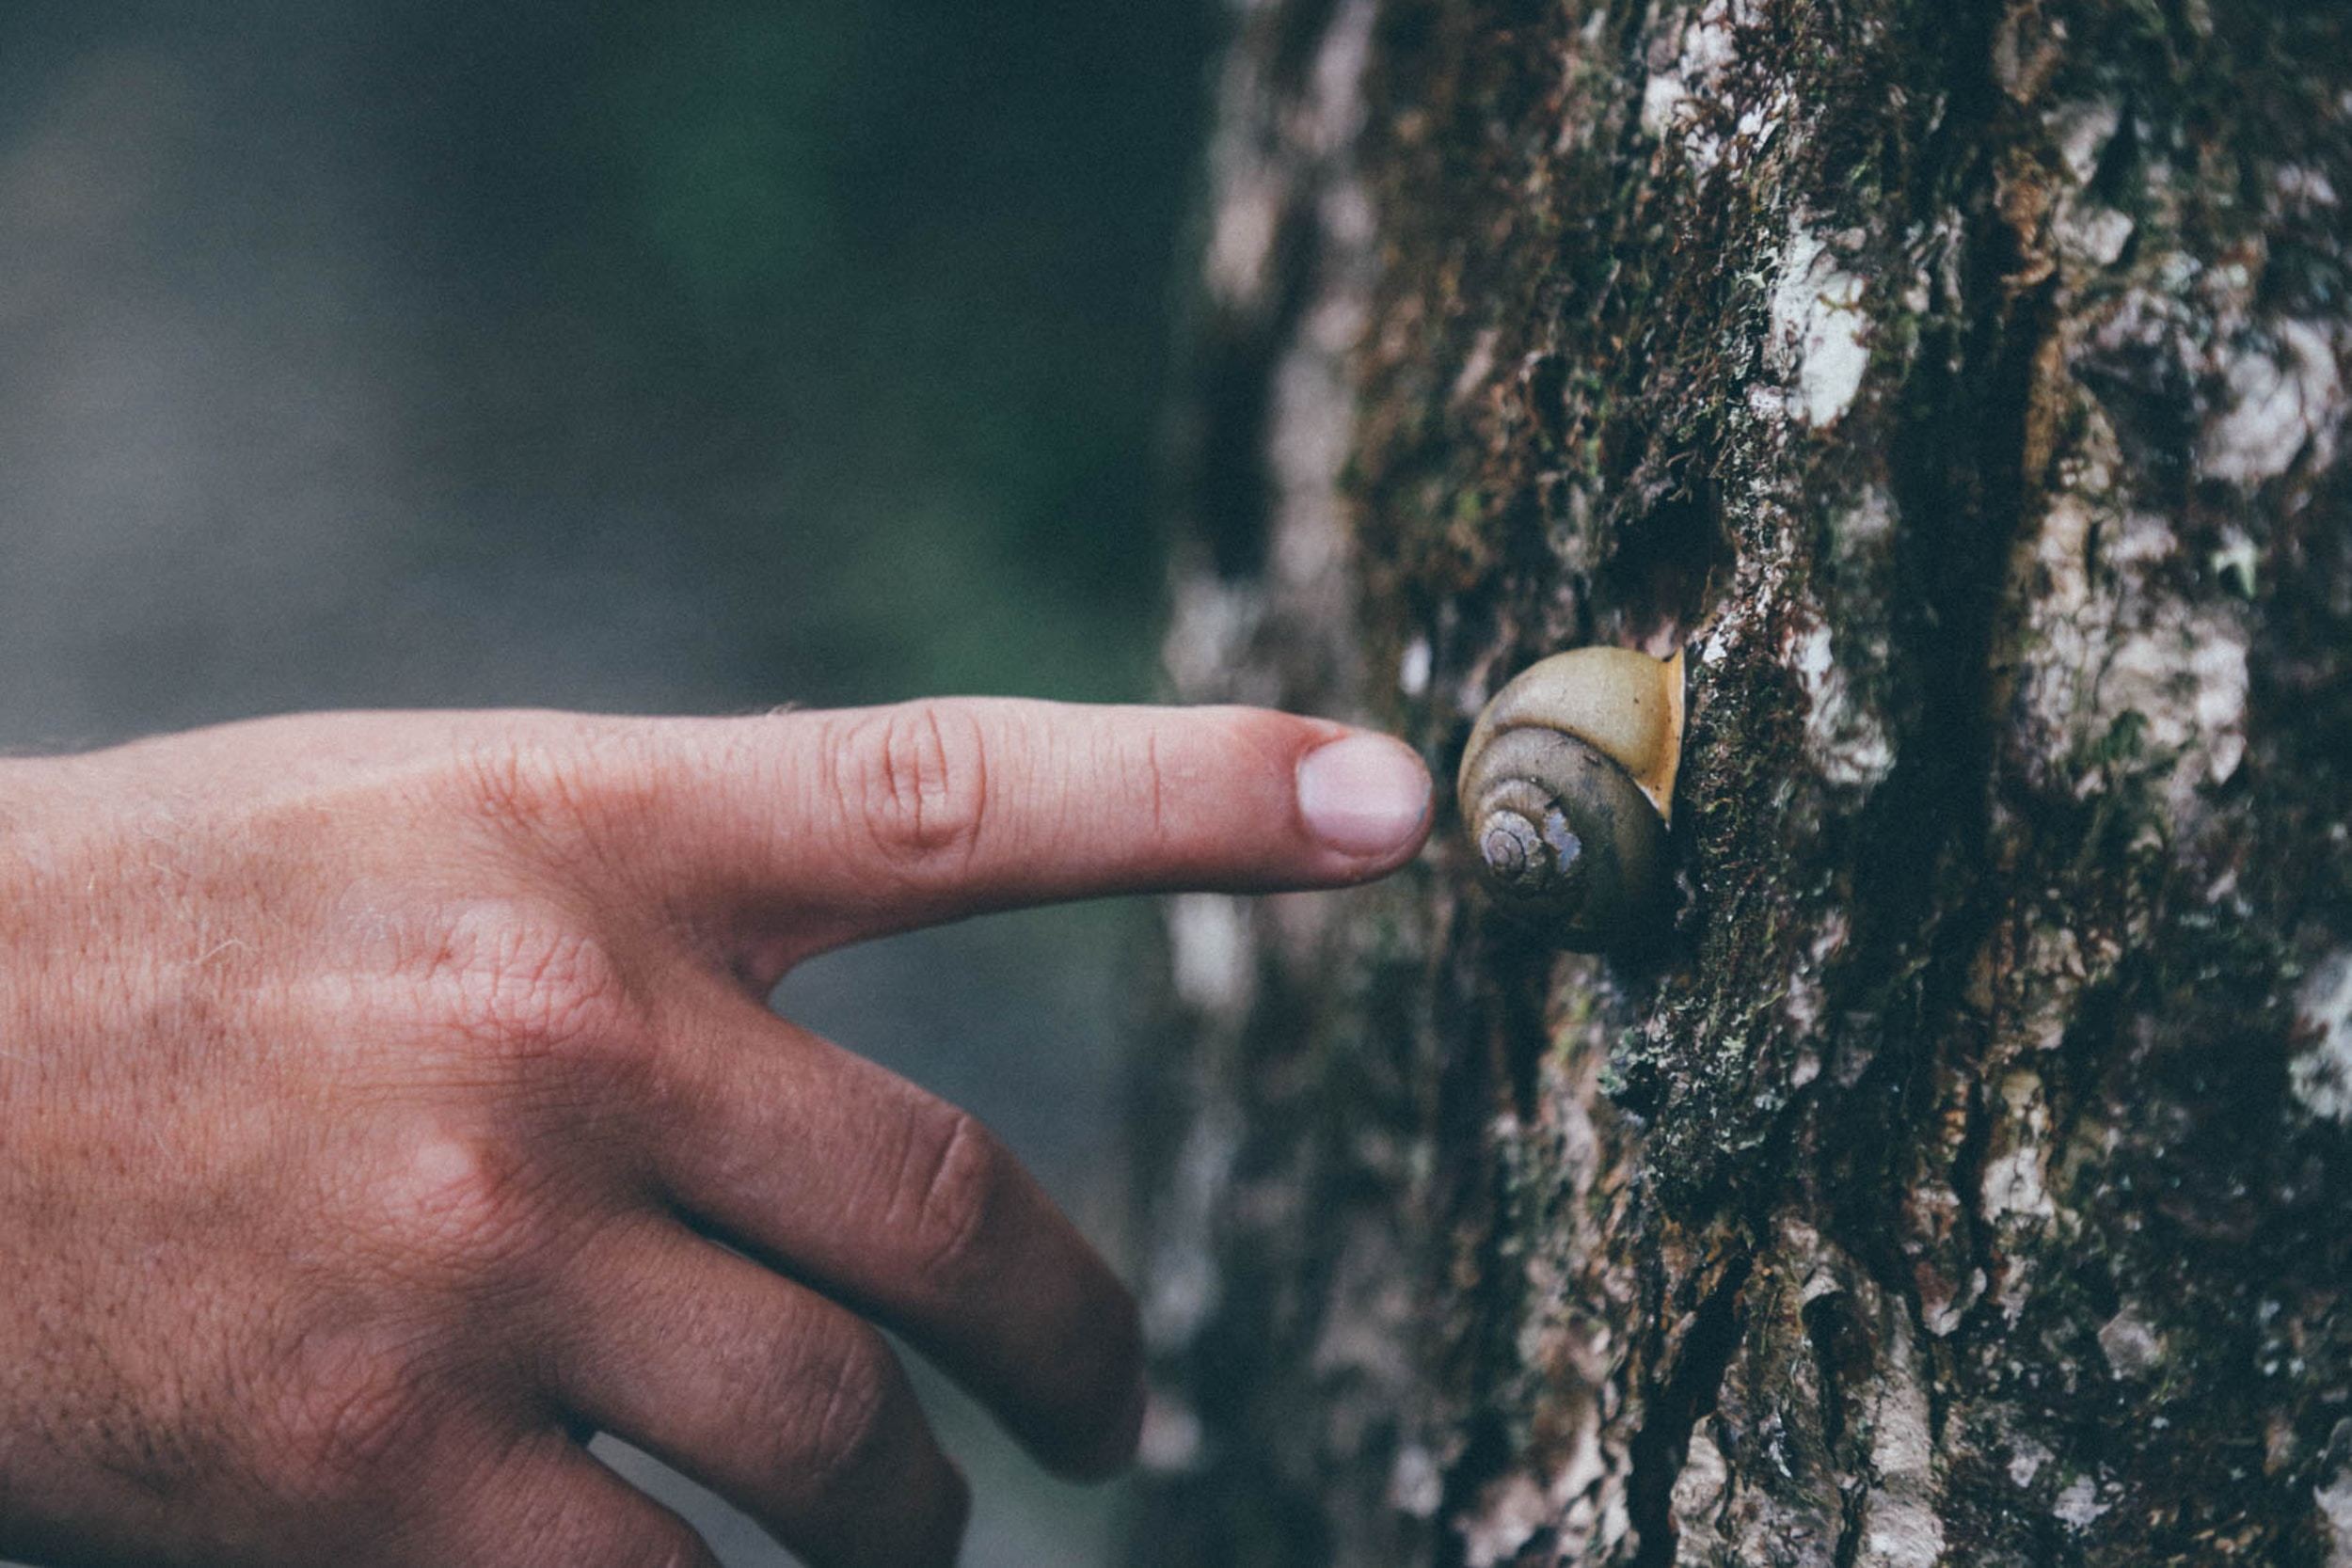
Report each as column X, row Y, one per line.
column 1566, row 790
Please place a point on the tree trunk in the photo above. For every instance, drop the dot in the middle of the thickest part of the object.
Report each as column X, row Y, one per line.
column 1968, row 1177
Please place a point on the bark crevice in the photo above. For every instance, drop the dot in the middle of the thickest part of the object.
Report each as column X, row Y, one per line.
column 1659, row 1449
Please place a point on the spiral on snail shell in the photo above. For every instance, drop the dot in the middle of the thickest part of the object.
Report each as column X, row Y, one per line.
column 1566, row 792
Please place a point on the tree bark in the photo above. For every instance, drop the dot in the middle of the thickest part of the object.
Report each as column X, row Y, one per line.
column 1968, row 1178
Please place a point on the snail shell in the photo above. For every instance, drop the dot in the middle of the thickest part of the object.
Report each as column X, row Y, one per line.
column 1566, row 790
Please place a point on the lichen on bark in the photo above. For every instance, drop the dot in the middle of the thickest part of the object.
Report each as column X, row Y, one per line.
column 1967, row 1180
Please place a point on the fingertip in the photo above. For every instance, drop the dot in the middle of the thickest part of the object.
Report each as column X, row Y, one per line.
column 1108, row 1455
column 1366, row 796
column 1114, row 1450
column 1088, row 1426
column 951, row 1520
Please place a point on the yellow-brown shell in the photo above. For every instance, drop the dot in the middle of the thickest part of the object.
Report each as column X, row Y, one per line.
column 1566, row 790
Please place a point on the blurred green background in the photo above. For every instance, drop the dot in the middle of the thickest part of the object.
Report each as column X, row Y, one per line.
column 703, row 356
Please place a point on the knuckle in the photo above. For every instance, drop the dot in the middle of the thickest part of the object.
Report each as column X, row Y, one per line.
column 529, row 982
column 455, row 1208
column 564, row 787
column 953, row 1184
column 916, row 778
column 846, row 1400
column 523, row 784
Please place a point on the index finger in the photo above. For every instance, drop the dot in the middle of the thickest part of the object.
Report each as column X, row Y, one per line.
column 867, row 820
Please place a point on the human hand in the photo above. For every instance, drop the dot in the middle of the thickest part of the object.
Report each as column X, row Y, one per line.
column 388, row 1103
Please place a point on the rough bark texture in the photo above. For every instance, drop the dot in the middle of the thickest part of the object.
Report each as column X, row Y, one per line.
column 1969, row 1178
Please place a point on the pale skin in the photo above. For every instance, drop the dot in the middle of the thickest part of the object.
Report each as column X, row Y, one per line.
column 389, row 1103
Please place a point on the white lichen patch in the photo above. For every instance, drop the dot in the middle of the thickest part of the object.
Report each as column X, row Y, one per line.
column 1183, row 1285
column 2013, row 1185
column 1412, row 668
column 2091, row 234
column 2334, row 1497
column 1707, row 48
column 1368, row 1310
column 1865, row 527
column 2015, row 1177
column 2280, row 399
column 1803, row 1005
column 1692, row 91
column 1819, row 340
column 2082, row 130
column 1209, row 953
column 2185, row 677
column 2058, row 965
column 2302, row 188
column 2078, row 1507
column 1248, row 208
column 1843, row 738
column 1336, row 109
column 1758, row 121
column 2235, row 563
column 1661, row 102
column 2320, row 1074
column 1172, row 1440
column 1415, row 1482
column 2132, row 1347
column 2026, row 1460
column 2111, row 644
column 1699, row 1490
column 1210, row 627
column 1901, row 1528
column 1510, row 1512
column 1732, row 625
column 1567, row 1501
column 1477, row 365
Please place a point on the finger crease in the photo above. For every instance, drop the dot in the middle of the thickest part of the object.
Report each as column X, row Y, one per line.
column 937, row 781
column 1151, row 762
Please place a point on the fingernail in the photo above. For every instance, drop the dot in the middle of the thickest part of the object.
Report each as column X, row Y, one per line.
column 1366, row 795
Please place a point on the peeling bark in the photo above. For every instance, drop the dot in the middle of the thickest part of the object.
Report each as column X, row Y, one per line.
column 1969, row 1181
